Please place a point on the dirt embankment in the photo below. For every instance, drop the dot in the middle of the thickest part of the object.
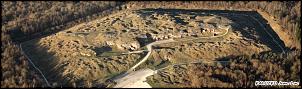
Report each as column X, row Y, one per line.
column 282, row 32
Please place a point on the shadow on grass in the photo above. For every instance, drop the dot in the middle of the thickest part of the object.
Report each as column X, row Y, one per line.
column 47, row 63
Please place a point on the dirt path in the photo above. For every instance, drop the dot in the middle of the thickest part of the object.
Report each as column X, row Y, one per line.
column 44, row 78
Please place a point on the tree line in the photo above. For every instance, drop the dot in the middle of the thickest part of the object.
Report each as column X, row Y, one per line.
column 240, row 71
column 286, row 13
column 25, row 20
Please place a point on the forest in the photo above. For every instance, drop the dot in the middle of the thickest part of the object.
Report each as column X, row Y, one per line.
column 26, row 20
column 240, row 71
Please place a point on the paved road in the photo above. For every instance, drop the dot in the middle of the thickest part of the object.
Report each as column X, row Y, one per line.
column 135, row 79
column 139, row 51
column 149, row 48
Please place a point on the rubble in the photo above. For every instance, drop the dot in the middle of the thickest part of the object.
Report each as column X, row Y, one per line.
column 129, row 46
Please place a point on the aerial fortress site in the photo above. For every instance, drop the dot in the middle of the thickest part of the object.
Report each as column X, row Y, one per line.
column 129, row 46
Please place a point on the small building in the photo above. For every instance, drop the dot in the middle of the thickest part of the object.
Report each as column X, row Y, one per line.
column 208, row 28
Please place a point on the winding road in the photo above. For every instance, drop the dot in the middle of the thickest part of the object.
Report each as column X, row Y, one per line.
column 149, row 47
column 128, row 78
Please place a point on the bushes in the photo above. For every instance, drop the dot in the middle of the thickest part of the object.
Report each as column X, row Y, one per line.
column 243, row 71
column 35, row 17
column 15, row 69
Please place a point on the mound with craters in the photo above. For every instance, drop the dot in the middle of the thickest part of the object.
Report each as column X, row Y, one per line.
column 92, row 51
